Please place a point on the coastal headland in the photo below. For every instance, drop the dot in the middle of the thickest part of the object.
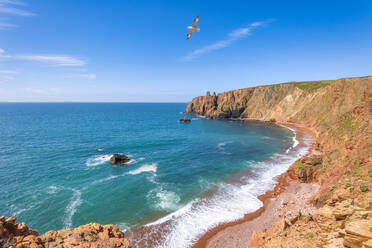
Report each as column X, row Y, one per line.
column 337, row 113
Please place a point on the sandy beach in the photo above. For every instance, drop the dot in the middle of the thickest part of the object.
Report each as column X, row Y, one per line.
column 287, row 198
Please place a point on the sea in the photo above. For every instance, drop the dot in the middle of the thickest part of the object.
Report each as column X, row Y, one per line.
column 182, row 179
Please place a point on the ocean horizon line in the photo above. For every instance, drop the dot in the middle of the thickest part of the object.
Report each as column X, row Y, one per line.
column 91, row 102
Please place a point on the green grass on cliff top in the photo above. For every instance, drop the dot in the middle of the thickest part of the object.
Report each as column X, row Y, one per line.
column 312, row 85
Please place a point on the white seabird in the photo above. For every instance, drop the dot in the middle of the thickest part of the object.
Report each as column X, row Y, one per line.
column 193, row 28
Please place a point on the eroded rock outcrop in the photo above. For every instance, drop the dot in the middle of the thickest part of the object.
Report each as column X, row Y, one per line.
column 342, row 224
column 93, row 235
column 90, row 235
column 119, row 159
column 18, row 235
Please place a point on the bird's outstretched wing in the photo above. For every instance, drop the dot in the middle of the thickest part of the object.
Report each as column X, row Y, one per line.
column 195, row 22
column 189, row 35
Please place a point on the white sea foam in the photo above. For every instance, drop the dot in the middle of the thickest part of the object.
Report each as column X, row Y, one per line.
column 131, row 161
column 71, row 208
column 167, row 200
column 16, row 210
column 161, row 198
column 229, row 203
column 108, row 178
column 144, row 168
column 295, row 141
column 52, row 189
column 222, row 145
column 98, row 160
column 123, row 227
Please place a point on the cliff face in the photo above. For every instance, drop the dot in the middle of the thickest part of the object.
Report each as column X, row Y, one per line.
column 341, row 114
column 285, row 102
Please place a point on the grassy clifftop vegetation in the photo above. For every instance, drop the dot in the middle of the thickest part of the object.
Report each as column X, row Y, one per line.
column 312, row 85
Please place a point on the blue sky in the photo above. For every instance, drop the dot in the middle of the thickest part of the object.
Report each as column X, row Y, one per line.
column 136, row 50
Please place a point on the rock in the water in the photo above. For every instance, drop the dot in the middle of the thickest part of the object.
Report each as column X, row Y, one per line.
column 185, row 119
column 119, row 159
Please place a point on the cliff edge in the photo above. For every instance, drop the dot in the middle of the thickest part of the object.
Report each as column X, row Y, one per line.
column 340, row 113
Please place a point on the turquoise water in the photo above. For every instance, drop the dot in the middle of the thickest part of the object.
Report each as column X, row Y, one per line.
column 53, row 177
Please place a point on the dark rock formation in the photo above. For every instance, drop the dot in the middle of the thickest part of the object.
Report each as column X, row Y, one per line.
column 185, row 119
column 119, row 159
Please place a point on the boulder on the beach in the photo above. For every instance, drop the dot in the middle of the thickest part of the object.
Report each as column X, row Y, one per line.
column 119, row 159
column 185, row 119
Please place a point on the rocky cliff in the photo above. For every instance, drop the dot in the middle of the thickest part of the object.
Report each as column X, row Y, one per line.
column 340, row 112
column 93, row 235
column 289, row 102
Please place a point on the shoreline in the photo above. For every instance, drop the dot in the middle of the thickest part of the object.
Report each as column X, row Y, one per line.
column 283, row 183
column 157, row 235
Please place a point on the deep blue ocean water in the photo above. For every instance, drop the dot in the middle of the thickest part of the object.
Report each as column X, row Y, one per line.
column 53, row 177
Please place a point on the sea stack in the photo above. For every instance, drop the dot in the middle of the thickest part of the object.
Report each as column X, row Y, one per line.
column 119, row 159
column 185, row 119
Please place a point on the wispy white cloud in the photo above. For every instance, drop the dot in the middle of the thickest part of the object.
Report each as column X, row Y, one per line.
column 47, row 92
column 59, row 60
column 74, row 64
column 56, row 60
column 85, row 75
column 231, row 38
column 4, row 25
column 7, row 7
column 6, row 75
column 8, row 72
column 15, row 2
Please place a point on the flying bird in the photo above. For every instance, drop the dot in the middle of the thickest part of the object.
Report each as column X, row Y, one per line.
column 193, row 28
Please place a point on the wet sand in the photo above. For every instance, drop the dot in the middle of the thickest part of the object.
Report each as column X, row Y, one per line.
column 288, row 197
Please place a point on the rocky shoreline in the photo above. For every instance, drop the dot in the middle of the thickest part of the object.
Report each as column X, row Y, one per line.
column 18, row 235
column 340, row 114
column 336, row 213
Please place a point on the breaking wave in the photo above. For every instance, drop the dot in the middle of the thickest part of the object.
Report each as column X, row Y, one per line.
column 144, row 168
column 98, row 160
column 295, row 141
